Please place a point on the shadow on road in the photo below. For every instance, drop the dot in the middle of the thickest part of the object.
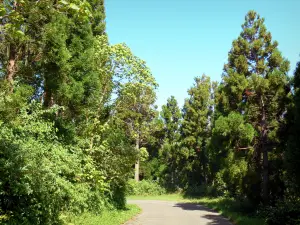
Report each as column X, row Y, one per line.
column 193, row 206
column 209, row 214
column 216, row 220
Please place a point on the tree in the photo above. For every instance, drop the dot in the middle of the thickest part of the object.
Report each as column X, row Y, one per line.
column 292, row 155
column 254, row 82
column 171, row 116
column 136, row 97
column 136, row 111
column 229, row 162
column 196, row 129
column 22, row 25
column 98, row 21
column 67, row 70
column 40, row 175
column 170, row 155
column 59, row 97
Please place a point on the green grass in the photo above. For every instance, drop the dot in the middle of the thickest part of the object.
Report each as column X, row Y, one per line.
column 230, row 209
column 108, row 217
column 165, row 197
column 225, row 206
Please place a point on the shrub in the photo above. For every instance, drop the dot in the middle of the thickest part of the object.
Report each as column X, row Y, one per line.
column 287, row 213
column 39, row 176
column 144, row 187
column 196, row 190
column 201, row 190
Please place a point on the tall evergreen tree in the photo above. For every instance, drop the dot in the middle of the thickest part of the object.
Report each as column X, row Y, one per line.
column 293, row 149
column 98, row 13
column 170, row 155
column 254, row 82
column 171, row 115
column 195, row 129
column 22, row 24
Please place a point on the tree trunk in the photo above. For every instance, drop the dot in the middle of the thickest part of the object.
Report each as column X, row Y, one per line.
column 11, row 68
column 48, row 94
column 265, row 176
column 264, row 150
column 137, row 164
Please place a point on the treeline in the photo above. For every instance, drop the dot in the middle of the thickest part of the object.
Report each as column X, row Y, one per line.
column 77, row 118
column 71, row 109
column 239, row 137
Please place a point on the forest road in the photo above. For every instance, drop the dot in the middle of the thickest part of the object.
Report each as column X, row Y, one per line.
column 156, row 212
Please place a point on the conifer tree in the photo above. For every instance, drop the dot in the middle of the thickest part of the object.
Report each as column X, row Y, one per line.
column 254, row 82
column 170, row 154
column 22, row 24
column 293, row 149
column 195, row 129
column 98, row 12
column 171, row 115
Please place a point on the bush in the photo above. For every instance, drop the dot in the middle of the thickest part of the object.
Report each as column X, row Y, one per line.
column 144, row 187
column 201, row 190
column 287, row 213
column 39, row 176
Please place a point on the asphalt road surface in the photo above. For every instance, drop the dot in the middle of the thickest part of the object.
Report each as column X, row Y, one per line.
column 156, row 212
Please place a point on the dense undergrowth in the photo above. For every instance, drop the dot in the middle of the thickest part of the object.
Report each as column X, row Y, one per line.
column 144, row 187
column 107, row 217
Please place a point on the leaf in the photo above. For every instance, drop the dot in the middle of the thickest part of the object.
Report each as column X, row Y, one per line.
column 20, row 32
column 73, row 6
column 2, row 11
column 64, row 2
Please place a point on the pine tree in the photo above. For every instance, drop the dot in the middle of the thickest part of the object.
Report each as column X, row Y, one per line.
column 22, row 26
column 98, row 12
column 170, row 155
column 171, row 115
column 293, row 149
column 254, row 82
column 195, row 129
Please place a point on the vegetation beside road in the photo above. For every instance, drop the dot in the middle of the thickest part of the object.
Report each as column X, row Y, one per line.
column 78, row 113
column 107, row 217
column 227, row 207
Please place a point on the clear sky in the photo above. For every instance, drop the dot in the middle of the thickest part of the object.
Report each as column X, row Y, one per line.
column 181, row 39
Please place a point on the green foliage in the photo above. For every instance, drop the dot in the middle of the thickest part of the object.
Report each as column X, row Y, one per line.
column 39, row 175
column 107, row 217
column 254, row 84
column 134, row 107
column 171, row 116
column 292, row 156
column 283, row 213
column 170, row 154
column 62, row 146
column 144, row 187
column 238, row 212
column 201, row 190
column 152, row 169
column 230, row 138
column 195, row 131
column 76, row 113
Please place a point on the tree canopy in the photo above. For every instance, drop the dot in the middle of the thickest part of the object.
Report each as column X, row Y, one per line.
column 78, row 118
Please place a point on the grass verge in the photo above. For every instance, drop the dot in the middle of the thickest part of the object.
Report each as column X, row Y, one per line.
column 165, row 197
column 225, row 206
column 230, row 209
column 112, row 217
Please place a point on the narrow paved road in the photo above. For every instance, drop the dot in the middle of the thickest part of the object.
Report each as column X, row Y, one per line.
column 156, row 212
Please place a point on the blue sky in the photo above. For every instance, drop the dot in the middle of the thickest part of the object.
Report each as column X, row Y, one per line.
column 181, row 39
